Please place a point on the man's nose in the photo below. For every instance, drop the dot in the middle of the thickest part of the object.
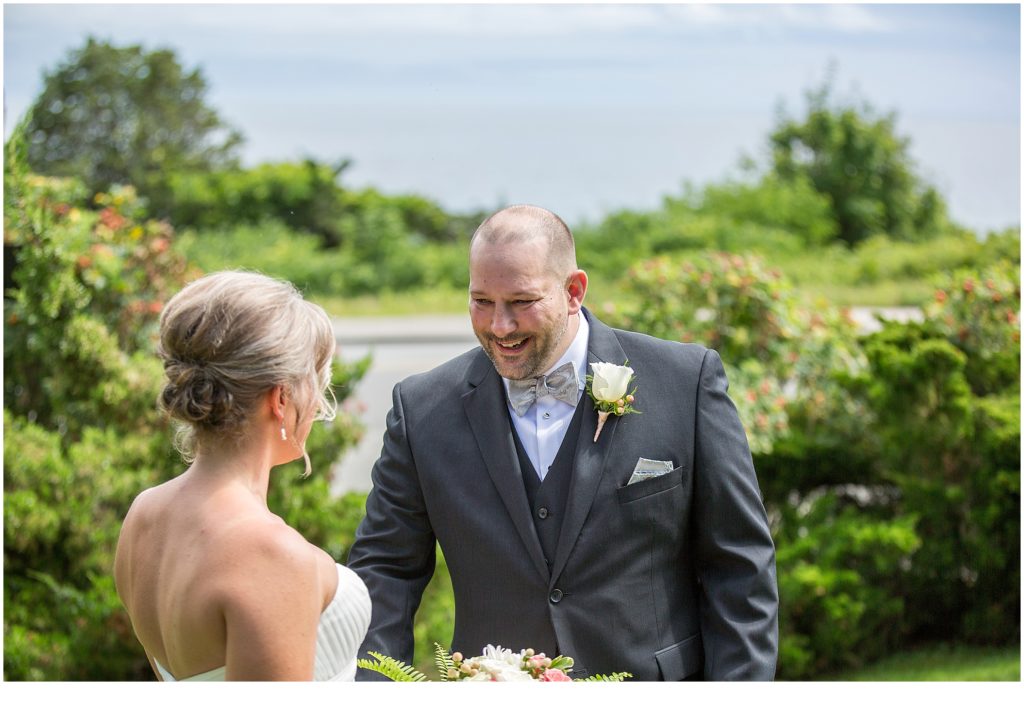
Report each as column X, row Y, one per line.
column 503, row 322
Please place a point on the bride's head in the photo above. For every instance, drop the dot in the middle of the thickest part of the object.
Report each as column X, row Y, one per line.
column 230, row 338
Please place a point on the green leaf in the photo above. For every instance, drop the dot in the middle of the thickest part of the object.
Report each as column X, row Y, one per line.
column 617, row 677
column 563, row 663
column 391, row 668
column 442, row 660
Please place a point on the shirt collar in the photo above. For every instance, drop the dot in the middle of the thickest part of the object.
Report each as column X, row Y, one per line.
column 575, row 354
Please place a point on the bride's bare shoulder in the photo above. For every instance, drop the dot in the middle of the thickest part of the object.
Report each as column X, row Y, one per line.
column 143, row 514
column 262, row 538
column 264, row 562
column 148, row 505
column 140, row 535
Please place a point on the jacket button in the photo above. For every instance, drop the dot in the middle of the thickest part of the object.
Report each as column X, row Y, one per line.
column 556, row 596
column 542, row 512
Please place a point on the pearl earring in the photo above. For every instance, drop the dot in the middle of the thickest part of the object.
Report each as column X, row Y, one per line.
column 284, row 437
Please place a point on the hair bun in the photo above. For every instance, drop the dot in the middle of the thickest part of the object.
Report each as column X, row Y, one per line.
column 195, row 395
column 229, row 338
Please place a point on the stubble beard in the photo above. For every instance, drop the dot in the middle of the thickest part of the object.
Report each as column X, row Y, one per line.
column 532, row 363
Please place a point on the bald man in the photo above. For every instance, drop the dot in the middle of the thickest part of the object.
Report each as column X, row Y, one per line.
column 645, row 549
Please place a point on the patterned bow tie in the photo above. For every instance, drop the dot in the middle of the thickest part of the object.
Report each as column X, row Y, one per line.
column 561, row 384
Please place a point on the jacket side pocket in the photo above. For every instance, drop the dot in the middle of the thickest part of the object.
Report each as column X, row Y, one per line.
column 684, row 659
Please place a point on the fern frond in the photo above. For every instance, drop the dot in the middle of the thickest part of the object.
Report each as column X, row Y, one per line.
column 442, row 660
column 617, row 677
column 391, row 668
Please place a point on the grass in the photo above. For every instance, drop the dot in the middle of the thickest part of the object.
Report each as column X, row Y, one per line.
column 434, row 300
column 887, row 293
column 941, row 663
column 438, row 300
column 443, row 300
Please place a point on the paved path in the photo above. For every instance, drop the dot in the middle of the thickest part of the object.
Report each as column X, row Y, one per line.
column 403, row 346
column 400, row 346
column 377, row 330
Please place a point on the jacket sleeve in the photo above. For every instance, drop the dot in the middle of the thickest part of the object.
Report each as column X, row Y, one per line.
column 394, row 549
column 734, row 549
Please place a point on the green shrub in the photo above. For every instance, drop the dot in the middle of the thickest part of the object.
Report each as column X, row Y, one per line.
column 303, row 196
column 295, row 221
column 792, row 206
column 781, row 356
column 685, row 224
column 955, row 458
column 842, row 564
column 63, row 505
column 382, row 257
column 82, row 434
column 271, row 248
column 992, row 535
column 979, row 312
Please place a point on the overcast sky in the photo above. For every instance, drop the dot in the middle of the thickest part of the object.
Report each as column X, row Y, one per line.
column 584, row 108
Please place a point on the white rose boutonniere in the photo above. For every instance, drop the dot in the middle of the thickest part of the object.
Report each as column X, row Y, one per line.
column 609, row 389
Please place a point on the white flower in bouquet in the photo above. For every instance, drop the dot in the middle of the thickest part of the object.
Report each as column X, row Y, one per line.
column 498, row 664
column 495, row 671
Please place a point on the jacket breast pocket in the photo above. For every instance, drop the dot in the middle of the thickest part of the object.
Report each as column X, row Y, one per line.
column 650, row 487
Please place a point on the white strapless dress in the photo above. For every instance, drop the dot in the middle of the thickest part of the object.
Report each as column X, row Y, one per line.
column 343, row 625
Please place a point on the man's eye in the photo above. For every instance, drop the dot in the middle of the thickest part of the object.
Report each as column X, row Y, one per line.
column 522, row 301
column 481, row 301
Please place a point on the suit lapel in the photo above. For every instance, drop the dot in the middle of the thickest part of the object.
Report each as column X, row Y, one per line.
column 590, row 456
column 485, row 408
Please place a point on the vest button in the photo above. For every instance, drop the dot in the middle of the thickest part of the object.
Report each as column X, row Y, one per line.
column 542, row 512
column 556, row 596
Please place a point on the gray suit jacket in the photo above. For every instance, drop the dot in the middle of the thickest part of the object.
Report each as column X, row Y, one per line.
column 668, row 578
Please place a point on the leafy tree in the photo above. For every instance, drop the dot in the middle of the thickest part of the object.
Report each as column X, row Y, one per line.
column 859, row 161
column 111, row 115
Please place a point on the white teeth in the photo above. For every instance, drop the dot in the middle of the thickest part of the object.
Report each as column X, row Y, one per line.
column 511, row 345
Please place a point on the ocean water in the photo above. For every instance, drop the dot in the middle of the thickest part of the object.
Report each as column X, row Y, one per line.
column 586, row 162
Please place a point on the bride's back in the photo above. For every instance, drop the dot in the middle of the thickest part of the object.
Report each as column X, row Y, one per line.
column 184, row 555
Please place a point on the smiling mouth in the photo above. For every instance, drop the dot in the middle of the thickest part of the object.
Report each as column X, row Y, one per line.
column 511, row 347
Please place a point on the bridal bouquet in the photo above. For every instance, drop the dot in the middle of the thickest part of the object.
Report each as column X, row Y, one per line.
column 496, row 664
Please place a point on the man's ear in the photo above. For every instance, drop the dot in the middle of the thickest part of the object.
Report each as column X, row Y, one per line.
column 576, row 288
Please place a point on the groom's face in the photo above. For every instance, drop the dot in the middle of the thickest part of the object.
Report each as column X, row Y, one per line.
column 519, row 307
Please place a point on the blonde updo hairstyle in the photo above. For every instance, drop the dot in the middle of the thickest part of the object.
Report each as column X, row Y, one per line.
column 227, row 339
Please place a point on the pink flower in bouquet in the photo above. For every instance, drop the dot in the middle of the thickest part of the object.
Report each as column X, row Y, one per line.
column 555, row 675
column 540, row 660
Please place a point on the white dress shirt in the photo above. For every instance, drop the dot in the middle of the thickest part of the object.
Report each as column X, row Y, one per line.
column 542, row 428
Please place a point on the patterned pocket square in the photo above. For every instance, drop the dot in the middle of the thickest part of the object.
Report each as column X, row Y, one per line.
column 646, row 469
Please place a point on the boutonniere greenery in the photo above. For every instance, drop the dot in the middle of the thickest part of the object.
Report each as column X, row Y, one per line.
column 609, row 388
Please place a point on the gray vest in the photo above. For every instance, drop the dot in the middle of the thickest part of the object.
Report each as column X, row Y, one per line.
column 548, row 498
